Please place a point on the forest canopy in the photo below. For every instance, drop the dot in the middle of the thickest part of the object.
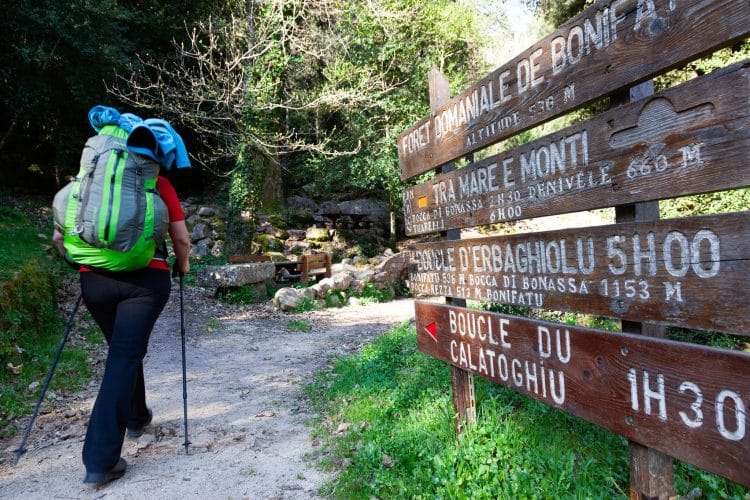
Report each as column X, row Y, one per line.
column 270, row 95
column 278, row 93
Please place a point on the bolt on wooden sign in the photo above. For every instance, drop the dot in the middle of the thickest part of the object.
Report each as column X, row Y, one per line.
column 690, row 139
column 691, row 272
column 684, row 400
column 610, row 45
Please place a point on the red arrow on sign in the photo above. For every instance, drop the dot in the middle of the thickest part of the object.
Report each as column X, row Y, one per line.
column 431, row 330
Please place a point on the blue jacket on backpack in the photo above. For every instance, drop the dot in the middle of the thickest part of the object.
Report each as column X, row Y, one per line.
column 153, row 137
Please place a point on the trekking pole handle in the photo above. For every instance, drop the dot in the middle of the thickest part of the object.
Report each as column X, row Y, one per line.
column 176, row 271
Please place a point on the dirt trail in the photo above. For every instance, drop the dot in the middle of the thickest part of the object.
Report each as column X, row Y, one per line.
column 247, row 411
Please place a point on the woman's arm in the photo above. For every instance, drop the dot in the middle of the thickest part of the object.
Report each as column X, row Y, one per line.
column 180, row 237
column 57, row 237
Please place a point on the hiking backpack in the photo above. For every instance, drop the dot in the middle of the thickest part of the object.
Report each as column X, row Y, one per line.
column 110, row 214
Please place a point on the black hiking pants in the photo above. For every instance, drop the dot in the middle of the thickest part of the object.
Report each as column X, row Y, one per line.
column 125, row 305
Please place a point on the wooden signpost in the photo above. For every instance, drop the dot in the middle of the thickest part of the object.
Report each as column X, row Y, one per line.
column 670, row 399
column 684, row 400
column 690, row 139
column 610, row 45
column 692, row 272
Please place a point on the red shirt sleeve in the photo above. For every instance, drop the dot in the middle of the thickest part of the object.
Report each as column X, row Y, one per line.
column 169, row 195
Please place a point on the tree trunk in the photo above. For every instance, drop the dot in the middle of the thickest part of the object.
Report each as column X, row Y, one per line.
column 7, row 133
column 273, row 185
column 393, row 238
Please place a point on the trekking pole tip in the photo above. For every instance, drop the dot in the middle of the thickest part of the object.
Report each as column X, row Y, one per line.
column 18, row 452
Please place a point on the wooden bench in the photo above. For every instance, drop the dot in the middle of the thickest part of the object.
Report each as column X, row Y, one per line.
column 318, row 265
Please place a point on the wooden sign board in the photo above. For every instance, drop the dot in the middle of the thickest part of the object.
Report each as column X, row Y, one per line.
column 610, row 45
column 684, row 400
column 693, row 138
column 690, row 272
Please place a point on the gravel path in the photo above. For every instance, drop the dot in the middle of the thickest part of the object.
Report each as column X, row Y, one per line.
column 247, row 411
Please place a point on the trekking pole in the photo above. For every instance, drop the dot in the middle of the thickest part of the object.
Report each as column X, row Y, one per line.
column 184, row 370
column 22, row 449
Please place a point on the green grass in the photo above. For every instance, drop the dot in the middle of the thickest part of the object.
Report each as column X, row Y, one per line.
column 31, row 328
column 372, row 294
column 396, row 404
column 305, row 306
column 212, row 325
column 245, row 294
column 298, row 325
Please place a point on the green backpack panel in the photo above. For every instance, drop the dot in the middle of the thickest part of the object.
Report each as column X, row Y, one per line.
column 110, row 214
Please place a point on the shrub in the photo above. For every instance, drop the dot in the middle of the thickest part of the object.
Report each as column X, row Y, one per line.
column 30, row 325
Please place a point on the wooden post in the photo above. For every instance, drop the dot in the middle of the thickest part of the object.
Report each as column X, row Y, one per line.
column 651, row 472
column 304, row 269
column 462, row 382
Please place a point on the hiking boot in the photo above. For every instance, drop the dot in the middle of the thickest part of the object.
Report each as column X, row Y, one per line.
column 100, row 478
column 136, row 432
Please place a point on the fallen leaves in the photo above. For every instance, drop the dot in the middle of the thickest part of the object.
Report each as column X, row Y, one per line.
column 15, row 370
column 342, row 428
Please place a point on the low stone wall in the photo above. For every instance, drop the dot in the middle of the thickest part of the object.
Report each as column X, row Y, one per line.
column 305, row 227
column 235, row 274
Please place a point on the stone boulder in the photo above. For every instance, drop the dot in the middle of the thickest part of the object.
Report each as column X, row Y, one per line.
column 334, row 301
column 263, row 243
column 288, row 299
column 296, row 234
column 200, row 231
column 235, row 274
column 323, row 286
column 341, row 281
column 201, row 248
column 395, row 267
column 206, row 211
column 370, row 208
column 318, row 234
column 301, row 203
column 328, row 208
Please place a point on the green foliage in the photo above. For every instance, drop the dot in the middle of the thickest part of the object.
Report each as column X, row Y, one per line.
column 57, row 58
column 305, row 306
column 243, row 198
column 603, row 323
column 704, row 337
column 30, row 326
column 27, row 284
column 703, row 204
column 371, row 294
column 244, row 295
column 298, row 325
column 387, row 429
column 704, row 65
column 339, row 301
column 399, row 41
column 212, row 325
column 688, row 478
column 506, row 309
column 243, row 186
column 401, row 289
column 368, row 247
column 580, row 319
